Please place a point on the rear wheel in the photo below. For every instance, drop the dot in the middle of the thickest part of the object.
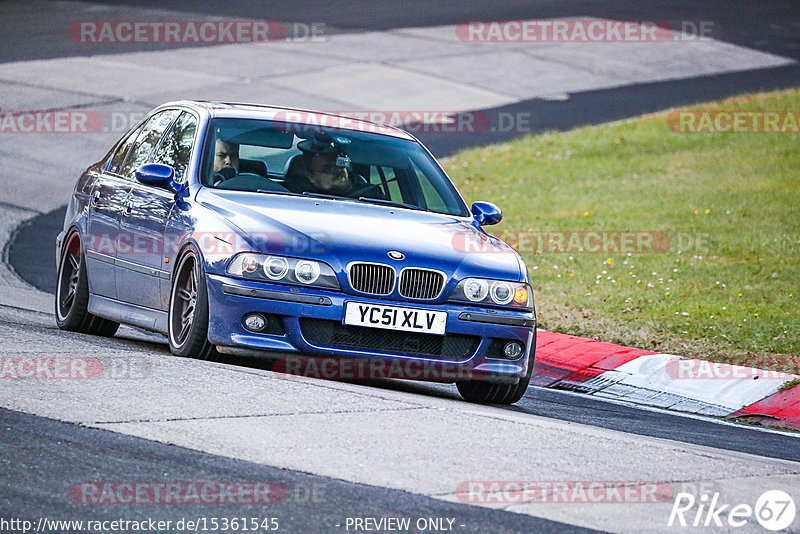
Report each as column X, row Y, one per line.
column 188, row 310
column 72, row 294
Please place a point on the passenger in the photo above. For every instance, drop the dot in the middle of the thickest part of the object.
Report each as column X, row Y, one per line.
column 226, row 161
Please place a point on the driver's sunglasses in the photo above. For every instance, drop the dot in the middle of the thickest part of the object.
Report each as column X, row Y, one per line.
column 327, row 169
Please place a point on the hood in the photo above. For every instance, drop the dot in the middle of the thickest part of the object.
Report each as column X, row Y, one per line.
column 342, row 231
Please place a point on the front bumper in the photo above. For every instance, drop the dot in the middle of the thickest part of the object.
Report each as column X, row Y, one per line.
column 303, row 312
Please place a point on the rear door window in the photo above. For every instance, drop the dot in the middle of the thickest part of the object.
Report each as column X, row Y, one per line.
column 146, row 141
column 122, row 151
column 386, row 178
column 176, row 148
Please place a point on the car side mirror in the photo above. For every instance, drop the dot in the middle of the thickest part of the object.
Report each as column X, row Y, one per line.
column 158, row 175
column 486, row 213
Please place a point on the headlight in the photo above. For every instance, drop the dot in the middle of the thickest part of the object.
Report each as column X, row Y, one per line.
column 250, row 264
column 502, row 292
column 476, row 289
column 494, row 292
column 283, row 269
column 275, row 267
column 307, row 272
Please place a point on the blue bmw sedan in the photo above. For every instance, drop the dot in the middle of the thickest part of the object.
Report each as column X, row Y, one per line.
column 336, row 247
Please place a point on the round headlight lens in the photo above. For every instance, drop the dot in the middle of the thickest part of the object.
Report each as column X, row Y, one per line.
column 276, row 267
column 502, row 292
column 476, row 289
column 306, row 271
column 250, row 264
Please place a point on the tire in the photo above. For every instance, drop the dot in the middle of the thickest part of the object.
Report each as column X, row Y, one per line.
column 72, row 294
column 187, row 321
column 481, row 392
column 490, row 393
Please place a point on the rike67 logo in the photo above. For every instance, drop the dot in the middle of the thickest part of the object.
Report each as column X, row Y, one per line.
column 774, row 510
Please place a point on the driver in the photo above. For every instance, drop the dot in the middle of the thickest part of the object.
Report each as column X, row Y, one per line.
column 320, row 173
column 326, row 177
column 226, row 161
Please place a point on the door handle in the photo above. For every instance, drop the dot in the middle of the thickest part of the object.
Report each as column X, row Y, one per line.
column 95, row 196
column 128, row 207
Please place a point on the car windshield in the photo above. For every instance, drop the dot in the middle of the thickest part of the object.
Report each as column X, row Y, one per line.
column 276, row 157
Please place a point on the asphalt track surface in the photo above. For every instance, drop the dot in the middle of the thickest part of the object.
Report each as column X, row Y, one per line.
column 41, row 457
column 37, row 234
column 768, row 26
column 560, row 405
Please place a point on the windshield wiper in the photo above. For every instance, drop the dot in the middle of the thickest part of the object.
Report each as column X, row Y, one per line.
column 278, row 192
column 323, row 195
column 306, row 194
column 391, row 203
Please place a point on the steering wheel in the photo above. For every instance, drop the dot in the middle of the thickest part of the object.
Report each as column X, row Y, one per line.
column 225, row 173
column 370, row 191
column 248, row 181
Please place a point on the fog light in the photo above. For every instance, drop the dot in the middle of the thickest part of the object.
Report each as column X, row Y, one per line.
column 255, row 322
column 512, row 350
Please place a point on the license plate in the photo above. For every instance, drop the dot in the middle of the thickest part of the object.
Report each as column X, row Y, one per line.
column 394, row 318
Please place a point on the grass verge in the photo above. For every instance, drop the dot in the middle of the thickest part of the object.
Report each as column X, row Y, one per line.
column 721, row 279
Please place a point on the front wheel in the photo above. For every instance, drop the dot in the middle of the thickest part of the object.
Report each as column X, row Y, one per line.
column 72, row 293
column 188, row 310
column 491, row 393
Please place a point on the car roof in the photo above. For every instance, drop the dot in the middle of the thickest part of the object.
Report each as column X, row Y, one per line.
column 236, row 110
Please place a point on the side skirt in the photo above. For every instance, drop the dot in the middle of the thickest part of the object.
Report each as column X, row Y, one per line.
column 122, row 312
